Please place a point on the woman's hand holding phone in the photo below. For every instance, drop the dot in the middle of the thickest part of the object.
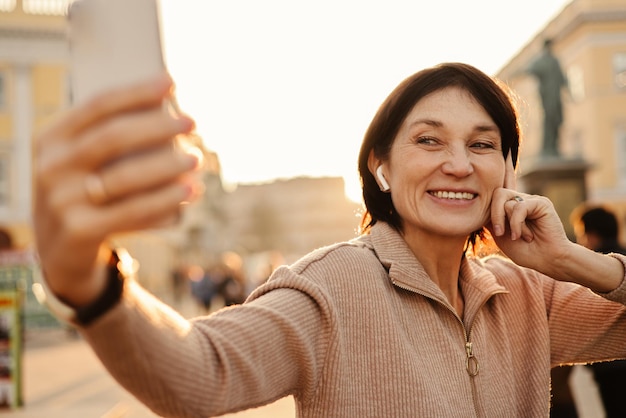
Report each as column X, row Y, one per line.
column 123, row 139
column 112, row 163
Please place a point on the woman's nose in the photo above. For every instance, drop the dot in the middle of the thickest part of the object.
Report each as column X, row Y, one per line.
column 458, row 163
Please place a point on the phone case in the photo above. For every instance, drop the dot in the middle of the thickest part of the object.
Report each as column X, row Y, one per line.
column 113, row 43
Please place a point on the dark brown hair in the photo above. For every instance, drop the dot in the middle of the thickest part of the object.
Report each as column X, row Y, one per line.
column 382, row 131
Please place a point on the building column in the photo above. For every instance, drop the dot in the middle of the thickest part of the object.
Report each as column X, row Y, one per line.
column 23, row 121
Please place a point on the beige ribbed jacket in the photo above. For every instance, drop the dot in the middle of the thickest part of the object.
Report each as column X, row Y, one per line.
column 358, row 330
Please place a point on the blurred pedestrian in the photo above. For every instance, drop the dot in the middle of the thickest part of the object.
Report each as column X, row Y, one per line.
column 598, row 228
column 204, row 284
column 232, row 286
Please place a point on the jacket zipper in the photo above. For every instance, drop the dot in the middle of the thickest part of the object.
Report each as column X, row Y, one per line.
column 471, row 365
column 471, row 362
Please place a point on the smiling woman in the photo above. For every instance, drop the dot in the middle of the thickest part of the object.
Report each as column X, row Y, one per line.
column 448, row 132
column 460, row 120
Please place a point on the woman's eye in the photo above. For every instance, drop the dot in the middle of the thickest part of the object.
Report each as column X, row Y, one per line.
column 426, row 140
column 483, row 145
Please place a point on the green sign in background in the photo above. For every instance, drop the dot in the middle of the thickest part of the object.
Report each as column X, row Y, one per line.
column 19, row 311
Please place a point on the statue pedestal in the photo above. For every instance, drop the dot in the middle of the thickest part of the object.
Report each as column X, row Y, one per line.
column 561, row 180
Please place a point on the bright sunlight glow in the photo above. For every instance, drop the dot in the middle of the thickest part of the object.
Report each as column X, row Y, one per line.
column 281, row 88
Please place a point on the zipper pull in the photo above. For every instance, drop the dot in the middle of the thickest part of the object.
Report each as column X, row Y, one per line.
column 471, row 363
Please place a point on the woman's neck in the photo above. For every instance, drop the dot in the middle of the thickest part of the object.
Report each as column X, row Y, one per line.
column 441, row 258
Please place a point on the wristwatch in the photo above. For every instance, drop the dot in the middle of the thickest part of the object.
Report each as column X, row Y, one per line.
column 120, row 268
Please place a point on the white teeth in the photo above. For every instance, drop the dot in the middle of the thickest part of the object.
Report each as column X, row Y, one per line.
column 453, row 195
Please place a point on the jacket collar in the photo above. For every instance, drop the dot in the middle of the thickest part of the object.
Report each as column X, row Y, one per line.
column 477, row 283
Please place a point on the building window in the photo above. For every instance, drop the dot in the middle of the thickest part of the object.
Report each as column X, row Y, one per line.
column 68, row 84
column 46, row 7
column 5, row 180
column 7, row 5
column 620, row 151
column 620, row 161
column 3, row 91
column 619, row 70
column 576, row 82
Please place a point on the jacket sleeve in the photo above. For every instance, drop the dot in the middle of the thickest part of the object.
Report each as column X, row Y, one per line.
column 240, row 357
column 586, row 326
column 619, row 294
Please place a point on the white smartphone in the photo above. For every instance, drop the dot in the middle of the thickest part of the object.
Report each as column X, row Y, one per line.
column 113, row 43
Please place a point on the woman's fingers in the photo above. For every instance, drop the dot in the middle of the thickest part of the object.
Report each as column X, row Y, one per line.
column 128, row 134
column 141, row 96
column 512, row 209
column 498, row 212
column 501, row 196
column 517, row 212
column 62, row 180
column 139, row 174
column 146, row 210
column 112, row 125
column 83, row 221
column 145, row 171
column 149, row 94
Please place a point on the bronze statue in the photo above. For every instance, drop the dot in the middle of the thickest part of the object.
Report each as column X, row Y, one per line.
column 547, row 70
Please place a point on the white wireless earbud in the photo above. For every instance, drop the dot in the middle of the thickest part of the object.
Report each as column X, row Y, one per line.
column 384, row 186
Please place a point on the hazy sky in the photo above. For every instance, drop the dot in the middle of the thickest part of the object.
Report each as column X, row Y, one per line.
column 284, row 88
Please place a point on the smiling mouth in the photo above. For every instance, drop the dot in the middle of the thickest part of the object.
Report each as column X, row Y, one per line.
column 453, row 195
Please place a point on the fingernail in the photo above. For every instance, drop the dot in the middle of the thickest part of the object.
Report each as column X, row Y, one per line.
column 164, row 81
column 498, row 230
column 192, row 160
column 186, row 123
column 192, row 189
column 191, row 154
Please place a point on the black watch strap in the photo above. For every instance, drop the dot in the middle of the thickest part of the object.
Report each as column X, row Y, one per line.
column 116, row 276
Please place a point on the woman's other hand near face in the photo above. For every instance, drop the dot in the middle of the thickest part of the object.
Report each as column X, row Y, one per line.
column 529, row 231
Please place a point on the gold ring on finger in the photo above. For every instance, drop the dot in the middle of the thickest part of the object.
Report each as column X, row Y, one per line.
column 96, row 192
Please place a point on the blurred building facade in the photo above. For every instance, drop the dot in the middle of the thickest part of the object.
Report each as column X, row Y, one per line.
column 589, row 39
column 33, row 85
column 291, row 216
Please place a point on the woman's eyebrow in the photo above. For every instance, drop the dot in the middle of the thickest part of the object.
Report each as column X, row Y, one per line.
column 438, row 124
column 487, row 128
column 426, row 121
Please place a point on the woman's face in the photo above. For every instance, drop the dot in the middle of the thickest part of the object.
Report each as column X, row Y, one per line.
column 444, row 165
